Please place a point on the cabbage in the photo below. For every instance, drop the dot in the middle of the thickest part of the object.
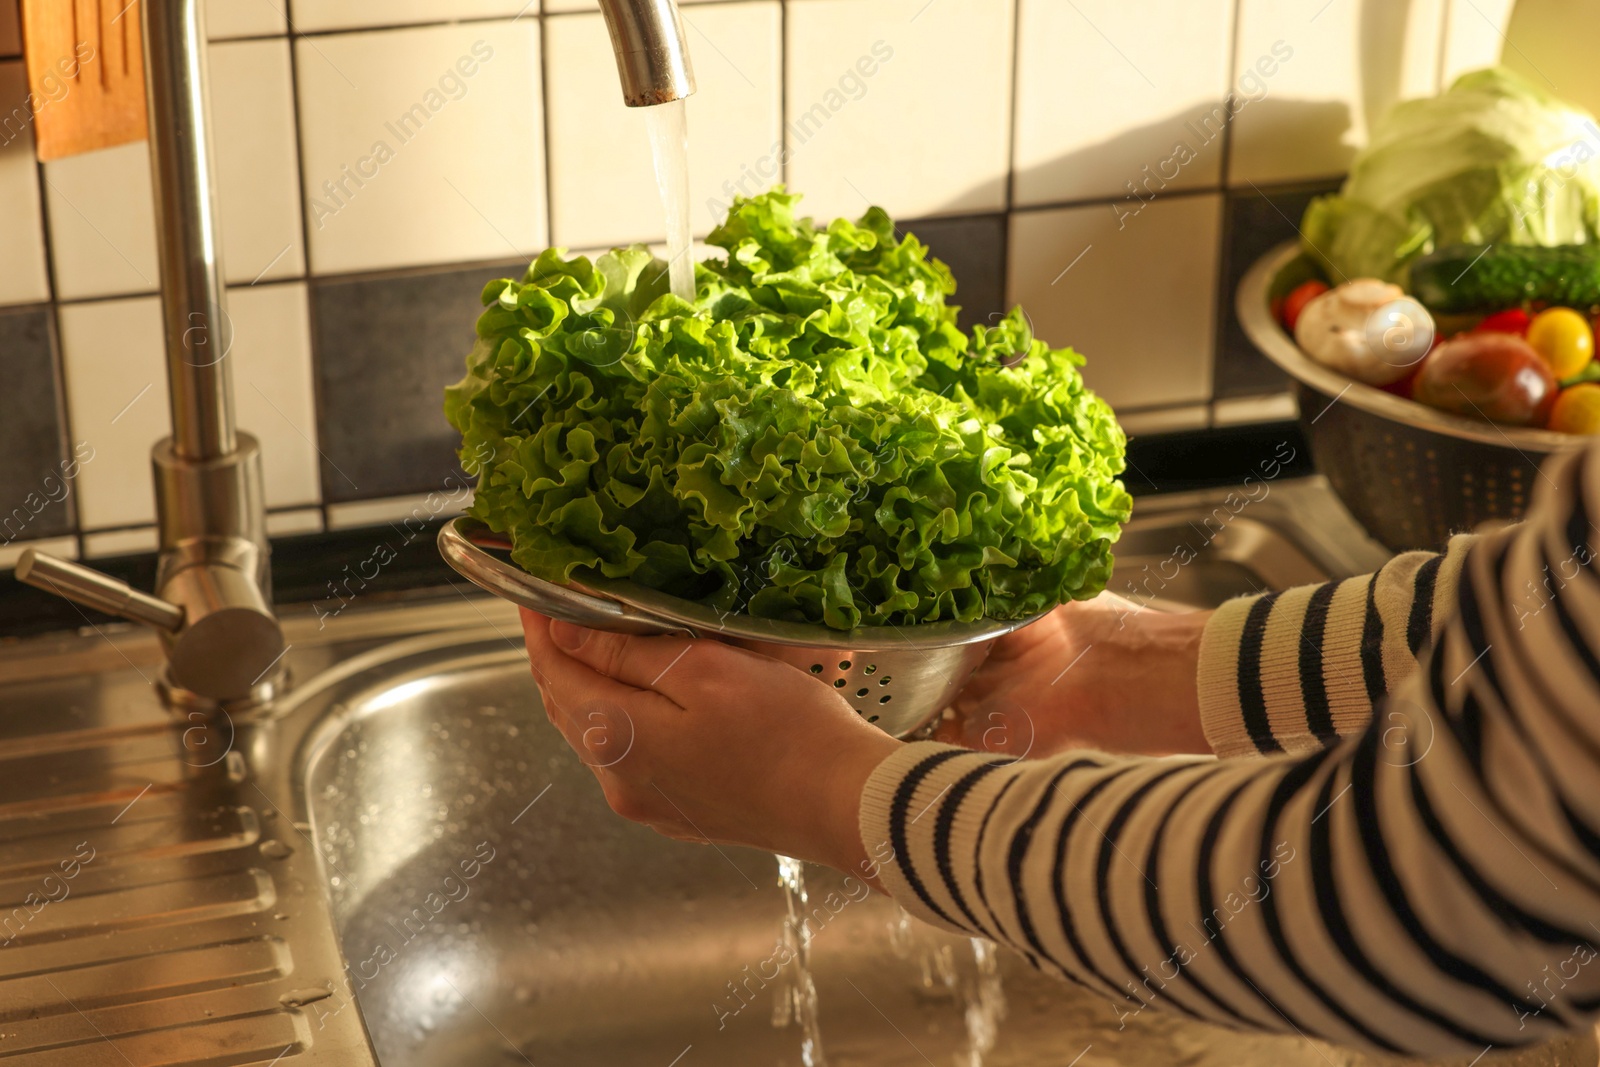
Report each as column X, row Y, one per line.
column 1491, row 160
column 813, row 439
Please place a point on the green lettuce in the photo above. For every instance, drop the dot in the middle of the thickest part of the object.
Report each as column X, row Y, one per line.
column 814, row 439
column 1491, row 160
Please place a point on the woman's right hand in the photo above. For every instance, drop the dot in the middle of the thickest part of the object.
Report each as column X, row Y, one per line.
column 1103, row 673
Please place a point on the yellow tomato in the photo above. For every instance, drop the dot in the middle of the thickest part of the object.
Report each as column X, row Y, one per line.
column 1563, row 338
column 1577, row 409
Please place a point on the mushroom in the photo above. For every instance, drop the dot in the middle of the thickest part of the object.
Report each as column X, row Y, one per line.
column 1337, row 330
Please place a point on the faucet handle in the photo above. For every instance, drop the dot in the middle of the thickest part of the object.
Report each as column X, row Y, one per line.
column 93, row 589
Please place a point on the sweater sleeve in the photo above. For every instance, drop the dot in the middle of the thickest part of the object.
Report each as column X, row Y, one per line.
column 1429, row 885
column 1294, row 671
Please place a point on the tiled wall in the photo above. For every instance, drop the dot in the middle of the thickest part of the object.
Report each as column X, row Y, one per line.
column 380, row 161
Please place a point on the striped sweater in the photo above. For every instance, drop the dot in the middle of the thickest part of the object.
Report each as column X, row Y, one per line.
column 1412, row 866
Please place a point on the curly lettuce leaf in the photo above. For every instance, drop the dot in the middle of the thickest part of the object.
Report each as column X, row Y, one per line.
column 814, row 439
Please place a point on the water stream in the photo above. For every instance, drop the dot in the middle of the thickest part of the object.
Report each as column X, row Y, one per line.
column 796, row 1001
column 982, row 998
column 668, row 125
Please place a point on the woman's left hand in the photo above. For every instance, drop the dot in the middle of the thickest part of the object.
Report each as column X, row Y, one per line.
column 706, row 742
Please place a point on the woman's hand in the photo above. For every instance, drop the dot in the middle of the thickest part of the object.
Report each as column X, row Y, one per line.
column 706, row 742
column 1102, row 673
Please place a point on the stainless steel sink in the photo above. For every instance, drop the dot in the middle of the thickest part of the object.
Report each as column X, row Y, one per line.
column 581, row 939
column 587, row 941
column 410, row 817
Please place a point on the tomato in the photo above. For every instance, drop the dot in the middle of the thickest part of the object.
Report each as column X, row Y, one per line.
column 1512, row 320
column 1404, row 387
column 1298, row 298
column 1564, row 339
column 1577, row 409
column 1492, row 376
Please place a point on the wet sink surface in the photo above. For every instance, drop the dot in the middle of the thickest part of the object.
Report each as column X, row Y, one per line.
column 492, row 908
column 493, row 911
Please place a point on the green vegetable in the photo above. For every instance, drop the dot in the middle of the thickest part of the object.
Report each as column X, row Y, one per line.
column 1295, row 273
column 1475, row 278
column 814, row 439
column 1491, row 161
column 1589, row 373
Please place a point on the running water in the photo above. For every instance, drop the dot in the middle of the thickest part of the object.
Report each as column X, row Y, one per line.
column 983, row 1000
column 986, row 1004
column 797, row 996
column 668, row 125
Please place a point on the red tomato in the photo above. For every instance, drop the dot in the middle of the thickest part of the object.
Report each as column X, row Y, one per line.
column 1492, row 376
column 1512, row 320
column 1404, row 386
column 1298, row 298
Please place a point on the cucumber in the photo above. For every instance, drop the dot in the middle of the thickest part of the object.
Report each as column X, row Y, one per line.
column 1495, row 277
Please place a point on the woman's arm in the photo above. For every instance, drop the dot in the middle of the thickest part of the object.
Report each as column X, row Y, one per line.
column 1430, row 885
column 1289, row 671
column 1294, row 671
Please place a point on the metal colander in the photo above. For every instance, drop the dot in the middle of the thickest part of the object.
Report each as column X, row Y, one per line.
column 1412, row 475
column 898, row 677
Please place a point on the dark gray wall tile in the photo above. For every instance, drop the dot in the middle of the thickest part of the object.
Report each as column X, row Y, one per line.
column 1253, row 223
column 974, row 248
column 35, row 501
column 386, row 347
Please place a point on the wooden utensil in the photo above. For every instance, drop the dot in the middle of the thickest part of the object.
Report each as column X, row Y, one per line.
column 85, row 74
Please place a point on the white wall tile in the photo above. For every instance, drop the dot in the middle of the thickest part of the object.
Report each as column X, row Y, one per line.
column 244, row 18
column 120, row 542
column 394, row 509
column 1346, row 64
column 117, row 402
column 1164, row 420
column 102, row 216
column 1138, row 301
column 315, row 15
column 1242, row 410
column 102, row 223
column 927, row 132
column 65, row 547
column 1542, row 45
column 272, row 388
column 298, row 521
column 117, row 396
column 22, row 270
column 603, row 189
column 10, row 29
column 259, row 196
column 560, row 6
column 1474, row 35
column 1158, row 72
column 463, row 182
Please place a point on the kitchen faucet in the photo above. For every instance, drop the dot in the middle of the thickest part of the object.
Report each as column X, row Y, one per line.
column 213, row 605
column 652, row 56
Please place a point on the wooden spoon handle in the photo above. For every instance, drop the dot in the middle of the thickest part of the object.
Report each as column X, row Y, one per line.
column 85, row 74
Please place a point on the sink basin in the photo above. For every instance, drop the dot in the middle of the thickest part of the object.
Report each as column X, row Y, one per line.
column 493, row 910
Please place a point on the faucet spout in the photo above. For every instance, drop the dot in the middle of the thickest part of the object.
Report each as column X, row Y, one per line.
column 652, row 55
column 194, row 310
